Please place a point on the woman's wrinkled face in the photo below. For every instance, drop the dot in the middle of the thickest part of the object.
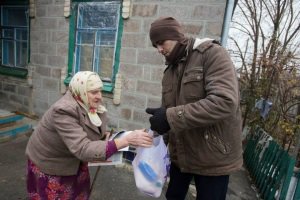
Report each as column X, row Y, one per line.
column 94, row 98
column 165, row 47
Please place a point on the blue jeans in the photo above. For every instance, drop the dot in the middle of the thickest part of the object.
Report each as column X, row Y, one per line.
column 208, row 187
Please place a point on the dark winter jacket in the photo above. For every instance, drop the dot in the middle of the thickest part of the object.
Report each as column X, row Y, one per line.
column 202, row 97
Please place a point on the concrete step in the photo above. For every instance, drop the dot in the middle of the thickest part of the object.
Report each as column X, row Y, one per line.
column 13, row 125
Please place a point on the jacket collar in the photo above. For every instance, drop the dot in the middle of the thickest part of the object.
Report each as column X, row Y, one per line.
column 198, row 44
column 203, row 44
column 88, row 122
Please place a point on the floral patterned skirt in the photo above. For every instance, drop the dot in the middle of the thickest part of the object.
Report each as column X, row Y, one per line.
column 42, row 186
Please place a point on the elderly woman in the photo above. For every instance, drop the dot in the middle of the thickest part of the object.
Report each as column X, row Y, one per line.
column 70, row 134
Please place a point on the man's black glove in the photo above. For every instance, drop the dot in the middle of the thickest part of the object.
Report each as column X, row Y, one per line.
column 158, row 121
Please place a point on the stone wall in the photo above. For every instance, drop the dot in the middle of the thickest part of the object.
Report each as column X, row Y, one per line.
column 49, row 35
column 49, row 39
column 141, row 67
column 15, row 94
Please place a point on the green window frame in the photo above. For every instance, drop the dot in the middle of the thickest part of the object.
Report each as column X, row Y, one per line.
column 95, row 38
column 14, row 37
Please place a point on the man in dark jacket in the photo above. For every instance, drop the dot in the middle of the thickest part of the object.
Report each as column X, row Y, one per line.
column 200, row 112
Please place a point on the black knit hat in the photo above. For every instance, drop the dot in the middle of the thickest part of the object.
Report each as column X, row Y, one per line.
column 165, row 28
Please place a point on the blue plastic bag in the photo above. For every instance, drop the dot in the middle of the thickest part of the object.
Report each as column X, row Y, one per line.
column 151, row 167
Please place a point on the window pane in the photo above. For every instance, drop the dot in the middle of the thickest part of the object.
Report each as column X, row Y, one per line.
column 14, row 26
column 96, row 36
column 105, row 62
column 14, row 16
column 98, row 15
column 84, row 62
column 106, row 38
column 8, row 33
column 21, row 54
column 85, row 37
column 21, row 34
column 8, row 53
column 1, row 42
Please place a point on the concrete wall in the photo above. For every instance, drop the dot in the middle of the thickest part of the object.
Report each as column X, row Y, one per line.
column 141, row 67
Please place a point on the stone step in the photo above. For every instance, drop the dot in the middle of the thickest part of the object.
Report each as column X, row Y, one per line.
column 13, row 125
column 7, row 118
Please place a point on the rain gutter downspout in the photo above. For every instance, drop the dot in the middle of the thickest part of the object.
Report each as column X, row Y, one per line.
column 226, row 22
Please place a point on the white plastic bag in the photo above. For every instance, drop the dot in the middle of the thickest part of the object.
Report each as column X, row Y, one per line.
column 151, row 167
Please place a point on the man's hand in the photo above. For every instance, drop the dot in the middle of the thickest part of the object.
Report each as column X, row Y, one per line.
column 158, row 121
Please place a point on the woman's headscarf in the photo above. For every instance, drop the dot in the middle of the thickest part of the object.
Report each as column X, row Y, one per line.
column 80, row 84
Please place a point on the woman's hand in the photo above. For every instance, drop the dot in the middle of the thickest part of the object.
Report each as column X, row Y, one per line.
column 107, row 135
column 136, row 138
column 139, row 138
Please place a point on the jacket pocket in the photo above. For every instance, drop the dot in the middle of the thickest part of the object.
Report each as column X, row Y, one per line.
column 193, row 84
column 216, row 143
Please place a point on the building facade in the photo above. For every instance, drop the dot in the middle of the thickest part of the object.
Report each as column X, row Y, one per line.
column 44, row 42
